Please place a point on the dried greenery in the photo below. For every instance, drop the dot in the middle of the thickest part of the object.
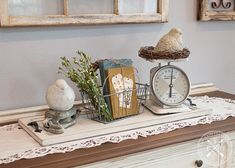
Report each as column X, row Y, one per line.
column 80, row 71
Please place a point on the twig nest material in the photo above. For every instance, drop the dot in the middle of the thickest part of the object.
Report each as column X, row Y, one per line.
column 60, row 96
column 149, row 53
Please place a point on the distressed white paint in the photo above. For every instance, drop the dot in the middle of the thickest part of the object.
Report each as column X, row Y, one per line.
column 183, row 155
column 89, row 128
column 79, row 12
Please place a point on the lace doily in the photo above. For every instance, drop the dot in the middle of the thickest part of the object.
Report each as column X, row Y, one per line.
column 17, row 144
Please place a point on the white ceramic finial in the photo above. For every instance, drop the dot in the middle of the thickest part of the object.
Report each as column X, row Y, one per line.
column 60, row 96
column 60, row 83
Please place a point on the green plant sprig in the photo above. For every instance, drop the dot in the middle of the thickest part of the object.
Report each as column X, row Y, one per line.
column 81, row 72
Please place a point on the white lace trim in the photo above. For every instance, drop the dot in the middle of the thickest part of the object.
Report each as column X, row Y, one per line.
column 218, row 105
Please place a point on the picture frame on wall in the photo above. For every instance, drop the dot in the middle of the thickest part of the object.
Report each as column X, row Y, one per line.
column 216, row 10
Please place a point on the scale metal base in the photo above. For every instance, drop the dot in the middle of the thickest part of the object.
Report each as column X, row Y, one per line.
column 156, row 109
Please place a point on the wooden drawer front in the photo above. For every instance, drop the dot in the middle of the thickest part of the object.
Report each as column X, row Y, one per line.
column 149, row 160
column 184, row 161
column 229, row 154
column 182, row 156
column 231, row 162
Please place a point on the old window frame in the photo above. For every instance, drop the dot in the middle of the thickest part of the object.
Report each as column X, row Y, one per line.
column 6, row 20
column 213, row 15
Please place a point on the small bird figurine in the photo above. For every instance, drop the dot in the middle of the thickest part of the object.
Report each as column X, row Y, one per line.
column 60, row 96
column 171, row 42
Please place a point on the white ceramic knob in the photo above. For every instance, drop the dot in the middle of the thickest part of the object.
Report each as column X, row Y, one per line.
column 60, row 96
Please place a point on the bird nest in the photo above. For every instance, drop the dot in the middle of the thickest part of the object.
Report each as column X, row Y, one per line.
column 149, row 54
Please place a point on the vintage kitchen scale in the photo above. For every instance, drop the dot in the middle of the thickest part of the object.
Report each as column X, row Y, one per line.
column 169, row 85
column 169, row 89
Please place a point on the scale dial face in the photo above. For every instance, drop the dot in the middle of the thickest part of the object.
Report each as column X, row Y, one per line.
column 170, row 85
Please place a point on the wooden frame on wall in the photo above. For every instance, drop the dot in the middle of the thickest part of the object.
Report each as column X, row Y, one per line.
column 68, row 18
column 212, row 10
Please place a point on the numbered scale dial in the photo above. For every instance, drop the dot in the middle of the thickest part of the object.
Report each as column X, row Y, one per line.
column 170, row 86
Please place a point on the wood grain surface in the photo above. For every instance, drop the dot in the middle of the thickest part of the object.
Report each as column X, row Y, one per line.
column 118, row 96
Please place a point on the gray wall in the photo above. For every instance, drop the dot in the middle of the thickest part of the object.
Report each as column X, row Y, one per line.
column 30, row 56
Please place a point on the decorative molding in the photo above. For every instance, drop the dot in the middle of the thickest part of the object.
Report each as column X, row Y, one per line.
column 9, row 116
column 216, row 10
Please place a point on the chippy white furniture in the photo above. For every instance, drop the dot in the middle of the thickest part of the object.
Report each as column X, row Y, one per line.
column 182, row 155
column 178, row 148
